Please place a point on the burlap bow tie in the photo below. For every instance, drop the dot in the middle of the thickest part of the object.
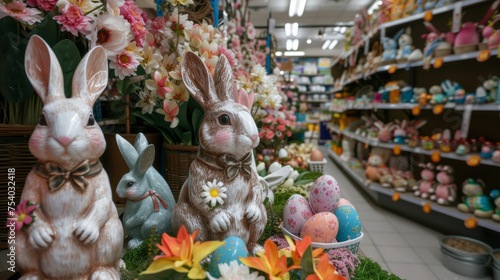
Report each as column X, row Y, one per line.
column 57, row 176
column 233, row 166
column 155, row 197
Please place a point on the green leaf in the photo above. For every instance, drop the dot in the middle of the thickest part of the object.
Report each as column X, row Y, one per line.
column 69, row 57
column 183, row 117
column 197, row 119
column 301, row 175
column 47, row 29
column 187, row 138
column 303, row 182
column 14, row 84
column 307, row 263
column 125, row 86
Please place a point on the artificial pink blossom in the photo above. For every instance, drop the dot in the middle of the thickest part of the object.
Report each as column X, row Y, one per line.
column 46, row 5
column 158, row 85
column 250, row 31
column 157, row 24
column 125, row 64
column 240, row 30
column 19, row 11
column 133, row 15
column 73, row 20
column 22, row 215
column 229, row 55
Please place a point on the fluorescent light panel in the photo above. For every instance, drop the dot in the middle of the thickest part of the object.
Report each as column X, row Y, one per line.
column 333, row 44
column 295, row 53
column 325, row 44
column 289, row 44
column 296, row 7
column 300, row 9
column 343, row 29
column 293, row 8
column 288, row 29
column 278, row 53
column 295, row 45
column 295, row 29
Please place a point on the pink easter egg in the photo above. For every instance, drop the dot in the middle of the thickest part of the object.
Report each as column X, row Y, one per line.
column 325, row 194
column 322, row 228
column 344, row 201
column 295, row 213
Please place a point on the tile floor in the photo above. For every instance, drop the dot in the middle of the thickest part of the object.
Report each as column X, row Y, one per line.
column 401, row 246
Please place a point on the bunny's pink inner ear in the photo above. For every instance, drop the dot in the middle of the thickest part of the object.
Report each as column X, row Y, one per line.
column 244, row 99
column 250, row 100
column 43, row 70
column 198, row 79
column 223, row 78
column 235, row 92
column 91, row 76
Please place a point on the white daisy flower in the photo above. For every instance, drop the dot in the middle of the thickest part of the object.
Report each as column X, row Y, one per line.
column 213, row 193
column 235, row 271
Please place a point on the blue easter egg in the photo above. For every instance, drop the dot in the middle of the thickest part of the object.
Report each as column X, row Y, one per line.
column 231, row 251
column 349, row 223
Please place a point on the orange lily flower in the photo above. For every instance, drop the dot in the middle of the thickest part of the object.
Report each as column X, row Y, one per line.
column 325, row 271
column 298, row 249
column 182, row 254
column 270, row 262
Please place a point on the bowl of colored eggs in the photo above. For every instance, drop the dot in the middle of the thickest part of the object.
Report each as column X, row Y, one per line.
column 330, row 220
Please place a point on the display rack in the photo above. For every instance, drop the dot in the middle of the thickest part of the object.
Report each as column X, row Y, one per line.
column 374, row 190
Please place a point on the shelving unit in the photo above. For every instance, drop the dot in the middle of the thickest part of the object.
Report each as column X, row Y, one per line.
column 408, row 106
column 374, row 190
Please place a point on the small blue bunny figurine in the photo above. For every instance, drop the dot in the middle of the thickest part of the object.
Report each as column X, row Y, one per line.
column 391, row 47
column 149, row 199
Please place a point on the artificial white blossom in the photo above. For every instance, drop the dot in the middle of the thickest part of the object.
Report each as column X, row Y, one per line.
column 236, row 271
column 213, row 192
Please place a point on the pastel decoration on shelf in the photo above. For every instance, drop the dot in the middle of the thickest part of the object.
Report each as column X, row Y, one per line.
column 75, row 216
column 406, row 94
column 295, row 213
column 344, row 201
column 325, row 194
column 233, row 249
column 445, row 191
column 425, row 187
column 405, row 46
column 400, row 133
column 391, row 47
column 150, row 201
column 372, row 171
column 385, row 131
column 475, row 201
column 495, row 195
column 223, row 196
column 487, row 150
column 450, row 89
column 438, row 97
column 490, row 34
column 322, row 227
column 349, row 223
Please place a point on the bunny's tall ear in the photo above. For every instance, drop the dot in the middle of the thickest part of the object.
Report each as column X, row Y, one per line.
column 128, row 152
column 223, row 79
column 197, row 79
column 146, row 159
column 43, row 70
column 140, row 143
column 91, row 76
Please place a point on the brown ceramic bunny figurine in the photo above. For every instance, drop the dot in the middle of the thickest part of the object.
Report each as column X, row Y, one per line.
column 222, row 195
column 76, row 233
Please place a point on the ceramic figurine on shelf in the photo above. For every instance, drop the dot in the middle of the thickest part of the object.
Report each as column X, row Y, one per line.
column 450, row 89
column 348, row 146
column 496, row 154
column 495, row 195
column 400, row 133
column 405, row 46
column 425, row 187
column 372, row 171
column 391, row 47
column 222, row 195
column 491, row 36
column 149, row 200
column 414, row 126
column 76, row 233
column 406, row 94
column 475, row 201
column 487, row 150
column 385, row 131
column 438, row 97
column 446, row 191
column 399, row 182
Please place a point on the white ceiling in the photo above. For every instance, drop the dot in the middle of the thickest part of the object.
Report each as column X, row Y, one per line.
column 326, row 13
column 318, row 14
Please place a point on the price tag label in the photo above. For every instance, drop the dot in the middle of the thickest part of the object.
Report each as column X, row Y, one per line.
column 392, row 69
column 483, row 55
column 428, row 16
column 438, row 62
column 457, row 17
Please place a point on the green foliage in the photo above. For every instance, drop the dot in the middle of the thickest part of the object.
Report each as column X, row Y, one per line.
column 307, row 177
column 370, row 270
column 138, row 260
column 69, row 57
column 307, row 264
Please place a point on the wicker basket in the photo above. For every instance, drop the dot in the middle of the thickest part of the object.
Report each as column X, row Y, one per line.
column 351, row 245
column 15, row 154
column 178, row 159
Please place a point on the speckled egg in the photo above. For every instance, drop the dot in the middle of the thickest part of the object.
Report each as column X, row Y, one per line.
column 231, row 251
column 295, row 213
column 344, row 201
column 322, row 228
column 349, row 223
column 325, row 194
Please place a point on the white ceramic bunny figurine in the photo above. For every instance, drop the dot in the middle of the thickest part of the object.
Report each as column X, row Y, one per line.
column 222, row 195
column 149, row 199
column 76, row 233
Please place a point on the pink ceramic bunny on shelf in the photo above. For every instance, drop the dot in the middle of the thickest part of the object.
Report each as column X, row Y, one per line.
column 76, row 233
column 446, row 190
column 385, row 131
column 426, row 184
column 222, row 195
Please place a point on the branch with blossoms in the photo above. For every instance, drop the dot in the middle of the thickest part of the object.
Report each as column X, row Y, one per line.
column 275, row 130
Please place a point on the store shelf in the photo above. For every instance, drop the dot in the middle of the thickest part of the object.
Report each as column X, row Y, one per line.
column 333, row 128
column 417, row 150
column 316, row 92
column 359, row 177
column 480, row 107
column 408, row 106
column 314, row 84
column 313, row 75
column 318, row 101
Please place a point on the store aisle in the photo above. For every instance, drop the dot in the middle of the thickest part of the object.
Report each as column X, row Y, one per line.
column 399, row 245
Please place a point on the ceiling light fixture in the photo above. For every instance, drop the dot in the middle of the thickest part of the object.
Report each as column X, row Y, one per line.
column 325, row 45
column 295, row 53
column 343, row 29
column 336, row 29
column 289, row 44
column 333, row 44
column 293, row 8
column 288, row 29
column 302, row 6
column 309, row 41
column 278, row 53
column 295, row 29
column 295, row 45
column 375, row 5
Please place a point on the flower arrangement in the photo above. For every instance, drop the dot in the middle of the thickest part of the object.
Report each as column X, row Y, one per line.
column 275, row 130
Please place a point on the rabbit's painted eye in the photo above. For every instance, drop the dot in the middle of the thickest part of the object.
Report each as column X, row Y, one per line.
column 224, row 119
column 42, row 120
column 91, row 120
column 130, row 184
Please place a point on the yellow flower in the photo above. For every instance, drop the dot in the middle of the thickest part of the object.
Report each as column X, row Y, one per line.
column 182, row 254
column 270, row 262
column 182, row 2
